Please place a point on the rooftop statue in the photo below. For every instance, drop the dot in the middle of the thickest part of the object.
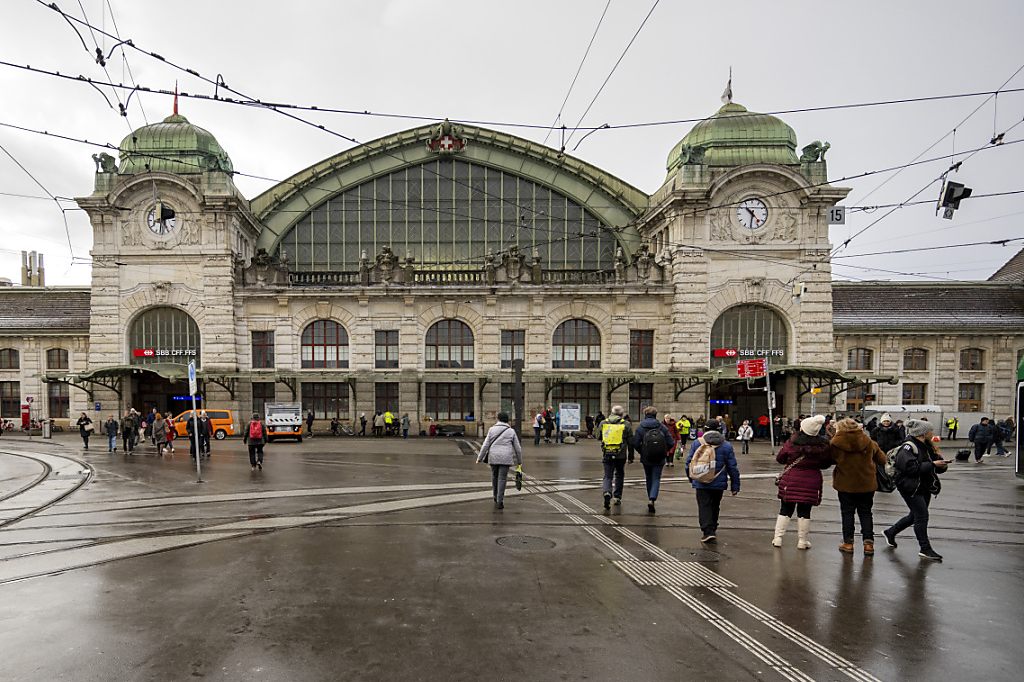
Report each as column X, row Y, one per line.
column 815, row 151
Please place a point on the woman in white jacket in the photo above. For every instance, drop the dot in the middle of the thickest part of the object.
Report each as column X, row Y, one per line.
column 745, row 434
column 501, row 449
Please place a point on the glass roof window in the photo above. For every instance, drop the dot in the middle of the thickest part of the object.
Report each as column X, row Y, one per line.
column 448, row 214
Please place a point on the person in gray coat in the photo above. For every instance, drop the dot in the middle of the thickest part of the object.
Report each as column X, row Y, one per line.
column 501, row 449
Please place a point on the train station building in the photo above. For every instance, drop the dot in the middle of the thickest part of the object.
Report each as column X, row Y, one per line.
column 410, row 273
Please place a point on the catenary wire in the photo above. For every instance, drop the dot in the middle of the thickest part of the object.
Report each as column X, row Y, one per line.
column 63, row 212
column 561, row 108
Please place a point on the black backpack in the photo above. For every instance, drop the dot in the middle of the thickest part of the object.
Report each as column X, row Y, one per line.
column 655, row 443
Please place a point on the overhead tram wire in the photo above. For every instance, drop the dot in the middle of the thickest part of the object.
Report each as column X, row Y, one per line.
column 99, row 60
column 612, row 72
column 993, row 242
column 124, row 60
column 63, row 212
column 558, row 117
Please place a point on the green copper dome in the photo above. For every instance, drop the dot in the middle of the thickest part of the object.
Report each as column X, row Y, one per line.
column 736, row 137
column 172, row 146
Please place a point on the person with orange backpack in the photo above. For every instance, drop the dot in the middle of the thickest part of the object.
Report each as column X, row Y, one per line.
column 255, row 436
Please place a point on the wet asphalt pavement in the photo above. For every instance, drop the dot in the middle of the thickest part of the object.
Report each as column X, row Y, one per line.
column 363, row 559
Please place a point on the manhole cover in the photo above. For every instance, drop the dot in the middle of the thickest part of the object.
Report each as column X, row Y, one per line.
column 704, row 555
column 524, row 542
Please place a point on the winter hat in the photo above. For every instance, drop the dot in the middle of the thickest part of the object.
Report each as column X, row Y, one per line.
column 886, row 418
column 918, row 427
column 713, row 438
column 847, row 425
column 812, row 425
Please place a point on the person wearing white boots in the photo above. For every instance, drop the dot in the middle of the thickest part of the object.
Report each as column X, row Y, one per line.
column 804, row 456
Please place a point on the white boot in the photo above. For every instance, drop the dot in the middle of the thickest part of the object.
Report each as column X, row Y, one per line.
column 803, row 530
column 781, row 522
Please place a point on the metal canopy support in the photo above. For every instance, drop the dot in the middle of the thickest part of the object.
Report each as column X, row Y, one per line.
column 550, row 383
column 615, row 383
column 74, row 384
column 686, row 383
column 290, row 382
column 228, row 384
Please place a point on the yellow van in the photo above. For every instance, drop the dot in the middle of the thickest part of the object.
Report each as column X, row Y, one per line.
column 222, row 420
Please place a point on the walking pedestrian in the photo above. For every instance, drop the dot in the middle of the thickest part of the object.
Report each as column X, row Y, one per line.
column 711, row 447
column 405, row 426
column 254, row 436
column 362, row 423
column 616, row 438
column 378, row 424
column 111, row 428
column 652, row 440
column 745, row 433
column 683, row 426
column 129, row 430
column 549, row 424
column 888, row 434
column 805, row 455
column 309, row 423
column 917, row 479
column 501, row 450
column 1000, row 434
column 982, row 435
column 855, row 480
column 590, row 425
column 538, row 424
column 673, row 432
column 159, row 431
column 85, row 428
column 952, row 424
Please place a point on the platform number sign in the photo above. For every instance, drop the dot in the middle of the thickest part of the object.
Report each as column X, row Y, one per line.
column 837, row 215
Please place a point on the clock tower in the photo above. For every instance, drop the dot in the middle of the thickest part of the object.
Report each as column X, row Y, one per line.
column 169, row 226
column 742, row 221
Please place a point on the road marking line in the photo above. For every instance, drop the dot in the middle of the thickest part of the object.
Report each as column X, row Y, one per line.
column 677, row 573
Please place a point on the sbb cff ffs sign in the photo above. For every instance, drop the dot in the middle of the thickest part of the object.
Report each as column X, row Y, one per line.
column 724, row 353
column 163, row 352
column 751, row 369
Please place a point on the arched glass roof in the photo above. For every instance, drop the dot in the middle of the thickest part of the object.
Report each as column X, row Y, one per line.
column 448, row 213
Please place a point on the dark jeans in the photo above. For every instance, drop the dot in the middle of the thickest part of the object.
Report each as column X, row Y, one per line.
column 536, row 435
column 746, row 447
column 255, row 453
column 979, row 449
column 614, row 473
column 499, row 477
column 709, row 503
column 652, row 473
column 802, row 509
column 918, row 518
column 861, row 504
column 128, row 438
column 204, row 443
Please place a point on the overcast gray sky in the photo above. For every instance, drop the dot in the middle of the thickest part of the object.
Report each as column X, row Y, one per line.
column 513, row 62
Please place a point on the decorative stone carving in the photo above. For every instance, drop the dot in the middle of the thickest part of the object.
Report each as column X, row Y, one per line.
column 105, row 163
column 643, row 263
column 265, row 270
column 785, row 227
column 447, row 139
column 189, row 232
column 364, row 268
column 490, row 266
column 691, row 154
column 386, row 264
column 130, row 235
column 721, row 228
column 536, row 272
column 513, row 262
column 161, row 291
column 620, row 265
column 815, row 151
column 409, row 268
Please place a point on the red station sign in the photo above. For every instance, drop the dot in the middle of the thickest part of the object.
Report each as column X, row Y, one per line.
column 751, row 369
column 724, row 353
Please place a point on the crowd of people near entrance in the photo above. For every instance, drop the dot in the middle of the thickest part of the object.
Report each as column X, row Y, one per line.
column 884, row 454
column 134, row 430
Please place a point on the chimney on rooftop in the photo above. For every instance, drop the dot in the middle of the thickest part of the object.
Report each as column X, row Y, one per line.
column 32, row 271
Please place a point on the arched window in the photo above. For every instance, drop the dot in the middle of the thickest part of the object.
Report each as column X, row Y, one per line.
column 915, row 359
column 576, row 344
column 9, row 359
column 449, row 344
column 860, row 358
column 972, row 359
column 749, row 331
column 324, row 345
column 162, row 335
column 56, row 358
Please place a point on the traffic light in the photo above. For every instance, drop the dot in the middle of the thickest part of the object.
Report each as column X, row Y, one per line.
column 949, row 200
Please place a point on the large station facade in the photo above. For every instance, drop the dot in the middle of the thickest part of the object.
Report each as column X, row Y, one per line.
column 410, row 273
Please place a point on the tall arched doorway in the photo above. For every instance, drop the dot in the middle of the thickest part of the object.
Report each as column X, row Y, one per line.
column 746, row 332
column 161, row 343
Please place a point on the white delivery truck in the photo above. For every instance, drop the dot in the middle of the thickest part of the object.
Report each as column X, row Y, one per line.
column 931, row 413
column 283, row 420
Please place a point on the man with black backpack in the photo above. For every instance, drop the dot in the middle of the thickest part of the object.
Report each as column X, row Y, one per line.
column 653, row 440
column 616, row 444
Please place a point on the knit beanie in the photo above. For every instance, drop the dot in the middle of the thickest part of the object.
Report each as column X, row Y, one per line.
column 918, row 427
column 713, row 438
column 886, row 418
column 812, row 425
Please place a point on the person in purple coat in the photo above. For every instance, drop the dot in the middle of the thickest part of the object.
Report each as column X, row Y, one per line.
column 805, row 455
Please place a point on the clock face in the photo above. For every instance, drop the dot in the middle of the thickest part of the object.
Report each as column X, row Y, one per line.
column 164, row 225
column 752, row 214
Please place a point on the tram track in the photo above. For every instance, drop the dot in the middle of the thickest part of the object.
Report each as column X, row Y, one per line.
column 48, row 474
